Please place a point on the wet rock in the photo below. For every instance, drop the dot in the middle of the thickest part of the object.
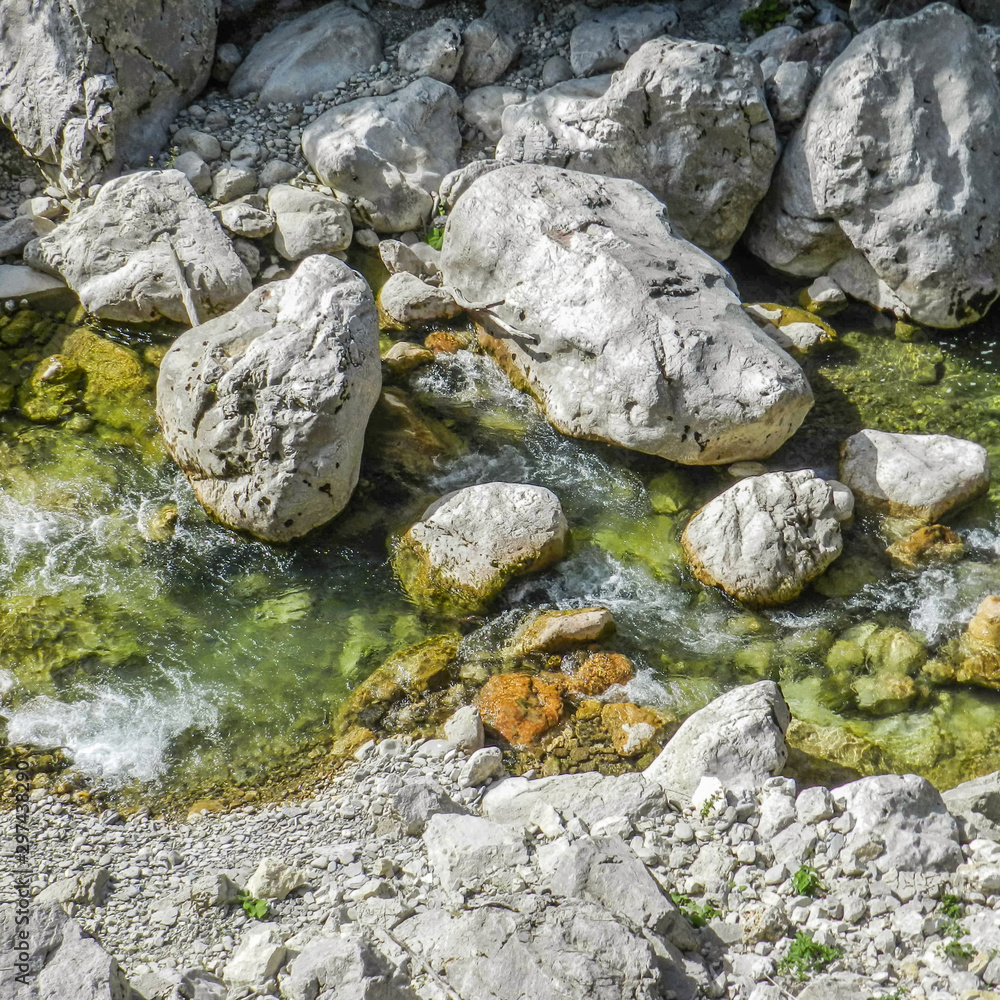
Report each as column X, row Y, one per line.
column 265, row 408
column 921, row 476
column 403, row 357
column 980, row 646
column 309, row 54
column 605, row 41
column 824, row 297
column 273, row 879
column 483, row 108
column 580, row 320
column 738, row 738
column 408, row 301
column 764, row 539
column 487, row 51
column 519, row 707
column 19, row 283
column 307, row 222
column 90, row 89
column 386, row 156
column 599, row 672
column 632, row 729
column 402, row 439
column 927, row 546
column 435, row 51
column 880, row 132
column 556, row 631
column 470, row 543
column 447, row 342
column 52, row 391
column 704, row 145
column 147, row 248
column 794, row 330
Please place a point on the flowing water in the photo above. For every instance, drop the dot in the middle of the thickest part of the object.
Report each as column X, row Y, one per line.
column 188, row 659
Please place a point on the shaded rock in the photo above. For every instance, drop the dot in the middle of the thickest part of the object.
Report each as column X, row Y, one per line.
column 309, row 54
column 17, row 282
column 227, row 58
column 794, row 330
column 386, row 156
column 487, row 51
column 889, row 185
column 196, row 170
column 588, row 301
column 738, row 738
column 403, row 440
column 146, row 248
column 685, row 119
column 483, row 108
column 435, row 51
column 866, row 13
column 307, row 222
column 768, row 536
column 16, row 235
column 927, row 546
column 90, row 88
column 908, row 814
column 556, row 69
column 265, row 408
column 920, row 476
column 555, row 631
column 606, row 41
column 408, row 301
column 194, row 141
column 790, row 89
column 470, row 543
column 519, row 707
column 824, row 297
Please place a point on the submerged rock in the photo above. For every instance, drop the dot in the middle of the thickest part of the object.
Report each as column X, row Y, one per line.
column 768, row 536
column 686, row 120
column 980, row 646
column 599, row 672
column 920, row 476
column 624, row 332
column 148, row 247
column 519, row 707
column 555, row 631
column 470, row 543
column 890, row 185
column 265, row 408
column 927, row 546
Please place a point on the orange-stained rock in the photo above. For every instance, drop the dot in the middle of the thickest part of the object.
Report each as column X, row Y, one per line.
column 446, row 342
column 935, row 543
column 519, row 707
column 632, row 729
column 599, row 672
column 980, row 645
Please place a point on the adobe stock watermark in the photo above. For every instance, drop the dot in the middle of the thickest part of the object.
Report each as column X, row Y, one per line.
column 20, row 942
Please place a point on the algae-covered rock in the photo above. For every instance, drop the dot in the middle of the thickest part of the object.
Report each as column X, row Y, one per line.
column 830, row 754
column 884, row 693
column 671, row 492
column 470, row 543
column 798, row 331
column 52, row 390
column 927, row 546
column 599, row 672
column 632, row 729
column 519, row 707
column 980, row 646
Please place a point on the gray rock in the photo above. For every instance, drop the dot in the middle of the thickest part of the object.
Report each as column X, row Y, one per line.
column 556, row 69
column 231, row 181
column 435, row 51
column 386, row 156
column 739, row 738
column 87, row 889
column 16, row 235
column 196, row 170
column 487, row 51
column 409, row 301
column 398, row 257
column 512, row 16
column 418, row 799
column 790, row 90
column 772, row 43
column 307, row 222
column 227, row 59
column 89, row 88
column 704, row 143
column 342, row 966
column 870, row 189
column 147, row 247
column 292, row 372
column 17, row 282
column 865, row 13
column 190, row 140
column 309, row 54
column 483, row 766
column 609, row 324
column 276, row 171
column 470, row 852
column 913, row 475
column 976, row 804
column 764, row 539
column 245, row 219
column 483, row 108
column 606, row 41
column 908, row 814
column 465, row 729
column 838, row 986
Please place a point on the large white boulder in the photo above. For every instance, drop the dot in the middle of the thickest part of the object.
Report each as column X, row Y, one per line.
column 623, row 331
column 470, row 543
column 90, row 86
column 309, row 54
column 891, row 184
column 738, row 738
column 685, row 119
column 386, row 156
column 265, row 408
column 148, row 247
column 913, row 475
column 765, row 538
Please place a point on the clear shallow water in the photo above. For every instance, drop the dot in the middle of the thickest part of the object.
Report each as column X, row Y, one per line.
column 210, row 658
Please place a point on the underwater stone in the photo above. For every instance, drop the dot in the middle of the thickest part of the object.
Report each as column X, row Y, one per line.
column 930, row 545
column 519, row 707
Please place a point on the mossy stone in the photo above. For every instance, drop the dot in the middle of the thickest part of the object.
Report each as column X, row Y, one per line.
column 52, row 390
column 670, row 492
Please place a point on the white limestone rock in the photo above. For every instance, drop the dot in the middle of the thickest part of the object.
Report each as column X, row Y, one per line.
column 309, row 54
column 409, row 301
column 265, row 408
column 147, row 248
column 483, row 108
column 622, row 331
column 487, row 51
column 273, row 879
column 765, row 538
column 890, row 184
column 257, row 958
column 386, row 156
column 435, row 51
column 739, row 738
column 467, row 851
column 920, row 476
column 687, row 120
column 307, row 222
column 976, row 804
column 465, row 729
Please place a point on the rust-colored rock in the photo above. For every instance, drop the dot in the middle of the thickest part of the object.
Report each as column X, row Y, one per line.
column 446, row 342
column 980, row 646
column 632, row 729
column 599, row 672
column 519, row 707
column 935, row 543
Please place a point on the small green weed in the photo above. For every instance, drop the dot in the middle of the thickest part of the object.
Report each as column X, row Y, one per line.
column 951, row 906
column 955, row 949
column 252, row 906
column 698, row 914
column 436, row 237
column 766, row 15
column 806, row 882
column 952, row 930
column 807, row 955
column 708, row 805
